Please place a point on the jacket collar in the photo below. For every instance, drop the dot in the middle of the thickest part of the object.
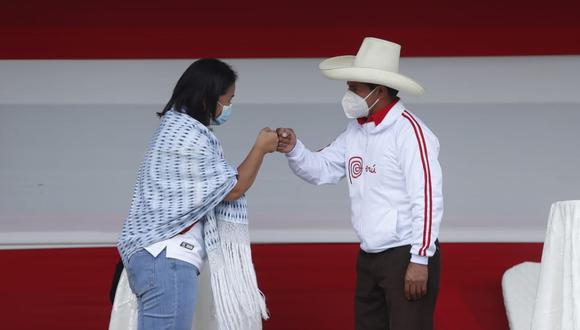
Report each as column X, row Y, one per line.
column 378, row 116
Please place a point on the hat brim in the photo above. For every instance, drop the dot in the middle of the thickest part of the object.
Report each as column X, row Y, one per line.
column 341, row 68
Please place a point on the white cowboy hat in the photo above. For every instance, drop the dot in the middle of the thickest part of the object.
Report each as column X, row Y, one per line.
column 377, row 62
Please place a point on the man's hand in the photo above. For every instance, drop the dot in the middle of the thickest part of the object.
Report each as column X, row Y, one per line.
column 286, row 140
column 416, row 281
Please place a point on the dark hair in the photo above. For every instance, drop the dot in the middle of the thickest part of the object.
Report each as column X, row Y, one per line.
column 199, row 88
column 392, row 92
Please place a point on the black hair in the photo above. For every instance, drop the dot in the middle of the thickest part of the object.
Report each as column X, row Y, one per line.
column 199, row 88
column 392, row 92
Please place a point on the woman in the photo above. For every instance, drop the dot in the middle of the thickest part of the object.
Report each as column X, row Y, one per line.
column 189, row 204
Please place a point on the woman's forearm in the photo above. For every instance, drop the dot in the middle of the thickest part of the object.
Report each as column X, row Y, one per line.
column 247, row 173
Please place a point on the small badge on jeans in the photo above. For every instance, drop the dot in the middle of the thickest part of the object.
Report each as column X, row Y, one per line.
column 186, row 245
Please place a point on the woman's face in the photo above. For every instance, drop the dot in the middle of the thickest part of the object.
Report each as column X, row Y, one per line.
column 225, row 99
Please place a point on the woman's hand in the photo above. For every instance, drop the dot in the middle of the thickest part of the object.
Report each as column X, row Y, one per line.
column 267, row 141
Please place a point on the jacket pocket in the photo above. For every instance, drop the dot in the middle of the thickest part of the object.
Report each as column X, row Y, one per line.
column 381, row 229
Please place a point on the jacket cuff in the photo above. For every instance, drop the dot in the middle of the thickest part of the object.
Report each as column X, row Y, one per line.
column 297, row 151
column 419, row 259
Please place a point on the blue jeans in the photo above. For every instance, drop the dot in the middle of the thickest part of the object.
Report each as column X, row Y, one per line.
column 166, row 291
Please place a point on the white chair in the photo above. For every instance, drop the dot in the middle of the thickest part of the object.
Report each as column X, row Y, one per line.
column 519, row 285
column 546, row 296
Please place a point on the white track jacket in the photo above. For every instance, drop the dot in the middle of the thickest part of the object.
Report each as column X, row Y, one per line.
column 394, row 177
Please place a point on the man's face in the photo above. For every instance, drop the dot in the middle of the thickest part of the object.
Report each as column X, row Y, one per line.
column 362, row 90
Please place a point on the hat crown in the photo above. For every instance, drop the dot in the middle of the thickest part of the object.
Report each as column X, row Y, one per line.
column 378, row 54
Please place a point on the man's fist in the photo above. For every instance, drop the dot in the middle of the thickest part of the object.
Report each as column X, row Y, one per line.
column 286, row 140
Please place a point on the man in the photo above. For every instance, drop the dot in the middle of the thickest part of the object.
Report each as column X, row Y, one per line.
column 390, row 160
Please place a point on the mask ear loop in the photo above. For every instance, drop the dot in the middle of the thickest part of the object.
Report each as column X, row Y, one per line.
column 370, row 95
column 223, row 107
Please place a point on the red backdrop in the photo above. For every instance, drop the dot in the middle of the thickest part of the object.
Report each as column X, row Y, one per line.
column 308, row 286
column 74, row 29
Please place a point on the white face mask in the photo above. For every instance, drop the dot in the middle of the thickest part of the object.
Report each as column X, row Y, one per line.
column 355, row 106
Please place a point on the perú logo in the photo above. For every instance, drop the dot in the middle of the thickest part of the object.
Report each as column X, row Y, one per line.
column 355, row 168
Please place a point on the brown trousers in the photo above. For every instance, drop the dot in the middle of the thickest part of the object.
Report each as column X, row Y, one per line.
column 380, row 302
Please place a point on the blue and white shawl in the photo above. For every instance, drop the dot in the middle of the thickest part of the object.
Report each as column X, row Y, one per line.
column 183, row 179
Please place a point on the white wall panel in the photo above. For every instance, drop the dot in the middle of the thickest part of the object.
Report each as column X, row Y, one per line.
column 72, row 134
